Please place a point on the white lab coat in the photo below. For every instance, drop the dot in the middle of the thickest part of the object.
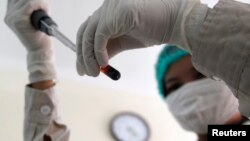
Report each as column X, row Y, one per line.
column 218, row 40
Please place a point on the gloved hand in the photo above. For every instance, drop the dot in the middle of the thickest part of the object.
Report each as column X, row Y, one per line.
column 120, row 25
column 38, row 45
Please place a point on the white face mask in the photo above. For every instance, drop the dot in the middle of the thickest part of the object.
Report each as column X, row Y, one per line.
column 200, row 103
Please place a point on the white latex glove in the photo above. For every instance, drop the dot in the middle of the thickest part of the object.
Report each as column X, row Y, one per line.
column 38, row 45
column 120, row 25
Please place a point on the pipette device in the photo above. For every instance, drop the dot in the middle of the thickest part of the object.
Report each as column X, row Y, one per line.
column 41, row 21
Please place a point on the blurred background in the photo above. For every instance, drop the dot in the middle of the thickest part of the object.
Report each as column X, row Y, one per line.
column 136, row 67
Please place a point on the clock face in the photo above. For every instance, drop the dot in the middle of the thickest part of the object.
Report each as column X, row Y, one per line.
column 129, row 127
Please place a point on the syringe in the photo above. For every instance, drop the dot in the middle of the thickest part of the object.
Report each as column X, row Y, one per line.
column 41, row 21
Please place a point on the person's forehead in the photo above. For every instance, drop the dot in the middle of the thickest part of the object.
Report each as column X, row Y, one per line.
column 180, row 66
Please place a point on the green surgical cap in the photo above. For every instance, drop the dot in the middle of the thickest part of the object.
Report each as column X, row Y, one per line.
column 169, row 55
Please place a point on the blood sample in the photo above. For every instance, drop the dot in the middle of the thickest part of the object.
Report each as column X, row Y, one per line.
column 111, row 72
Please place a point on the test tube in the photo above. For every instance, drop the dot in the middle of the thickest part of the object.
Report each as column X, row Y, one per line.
column 41, row 21
column 111, row 72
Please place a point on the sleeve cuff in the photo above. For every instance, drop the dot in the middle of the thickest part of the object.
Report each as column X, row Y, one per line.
column 41, row 105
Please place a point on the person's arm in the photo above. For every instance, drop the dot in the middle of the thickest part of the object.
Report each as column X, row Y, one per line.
column 218, row 40
column 43, row 85
column 42, row 121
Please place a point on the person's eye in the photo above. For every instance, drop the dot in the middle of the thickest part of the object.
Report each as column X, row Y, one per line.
column 173, row 88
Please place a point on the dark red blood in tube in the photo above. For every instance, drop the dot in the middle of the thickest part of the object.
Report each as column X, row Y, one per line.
column 111, row 72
